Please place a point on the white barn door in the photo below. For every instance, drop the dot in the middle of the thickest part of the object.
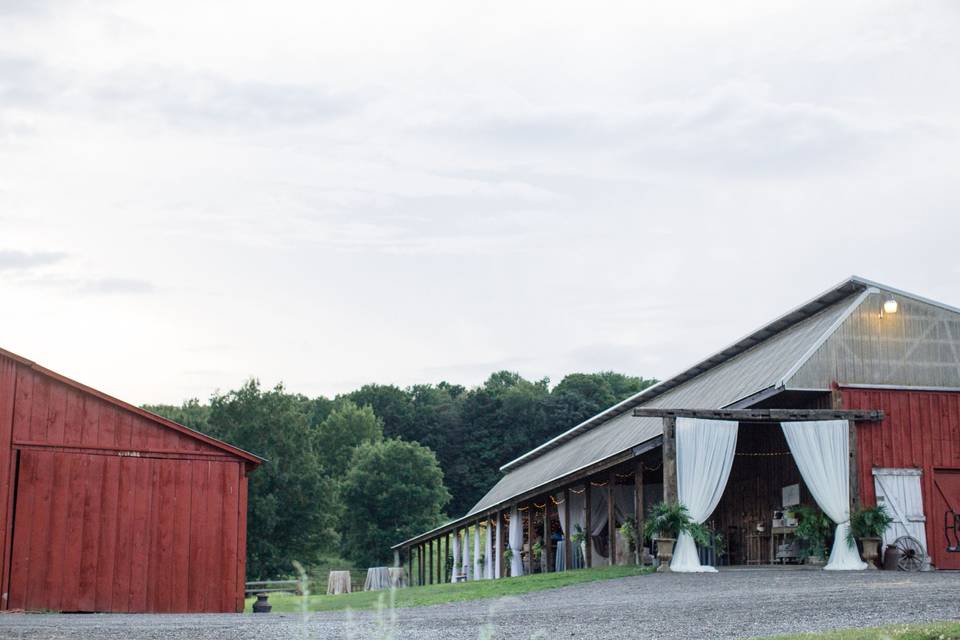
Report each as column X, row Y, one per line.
column 899, row 491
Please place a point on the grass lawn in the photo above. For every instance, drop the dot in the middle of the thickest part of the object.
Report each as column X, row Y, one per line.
column 440, row 593
column 930, row 631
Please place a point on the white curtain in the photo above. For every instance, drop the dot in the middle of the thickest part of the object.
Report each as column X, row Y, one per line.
column 705, row 452
column 466, row 554
column 515, row 540
column 499, row 555
column 598, row 518
column 488, row 552
column 455, row 571
column 822, row 452
column 477, row 569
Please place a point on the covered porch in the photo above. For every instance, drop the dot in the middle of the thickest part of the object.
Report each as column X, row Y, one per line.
column 565, row 524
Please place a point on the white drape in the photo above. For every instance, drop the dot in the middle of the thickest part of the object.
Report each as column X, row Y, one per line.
column 705, row 453
column 515, row 541
column 822, row 452
column 466, row 554
column 488, row 552
column 561, row 510
column 455, row 570
column 477, row 569
column 499, row 554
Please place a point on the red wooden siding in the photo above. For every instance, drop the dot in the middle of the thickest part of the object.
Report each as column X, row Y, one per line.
column 921, row 430
column 113, row 510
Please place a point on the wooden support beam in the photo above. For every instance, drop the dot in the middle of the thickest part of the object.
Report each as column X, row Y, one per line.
column 530, row 509
column 499, row 547
column 669, row 459
column 638, row 501
column 588, row 524
column 567, row 534
column 547, row 542
column 611, row 518
column 430, row 555
column 761, row 415
column 396, row 557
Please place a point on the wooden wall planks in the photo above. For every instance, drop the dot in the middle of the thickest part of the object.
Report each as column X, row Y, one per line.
column 921, row 430
column 114, row 511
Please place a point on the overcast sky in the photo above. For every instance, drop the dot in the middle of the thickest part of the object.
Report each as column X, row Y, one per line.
column 334, row 193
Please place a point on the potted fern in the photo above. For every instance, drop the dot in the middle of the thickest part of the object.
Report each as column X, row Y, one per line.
column 813, row 529
column 667, row 520
column 538, row 555
column 868, row 525
column 629, row 532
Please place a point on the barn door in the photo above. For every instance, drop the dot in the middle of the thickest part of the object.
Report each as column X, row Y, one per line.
column 899, row 491
column 946, row 500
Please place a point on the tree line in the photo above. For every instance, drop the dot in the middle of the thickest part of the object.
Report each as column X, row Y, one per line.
column 360, row 472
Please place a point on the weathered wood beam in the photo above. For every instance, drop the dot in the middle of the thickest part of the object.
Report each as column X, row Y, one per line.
column 611, row 518
column 430, row 560
column 588, row 524
column 567, row 534
column 761, row 415
column 530, row 510
column 547, row 542
column 638, row 499
column 669, row 459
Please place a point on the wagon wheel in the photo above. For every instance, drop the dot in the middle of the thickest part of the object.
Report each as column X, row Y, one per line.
column 912, row 557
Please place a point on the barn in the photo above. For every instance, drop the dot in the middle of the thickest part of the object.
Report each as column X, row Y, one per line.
column 106, row 507
column 850, row 400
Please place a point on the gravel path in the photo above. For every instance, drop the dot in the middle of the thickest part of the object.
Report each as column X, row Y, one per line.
column 736, row 603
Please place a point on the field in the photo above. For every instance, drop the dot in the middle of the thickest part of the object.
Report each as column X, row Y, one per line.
column 442, row 593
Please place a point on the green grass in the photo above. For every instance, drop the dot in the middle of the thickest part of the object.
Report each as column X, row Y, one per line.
column 441, row 593
column 929, row 631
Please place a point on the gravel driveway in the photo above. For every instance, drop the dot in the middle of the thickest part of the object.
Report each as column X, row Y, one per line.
column 736, row 603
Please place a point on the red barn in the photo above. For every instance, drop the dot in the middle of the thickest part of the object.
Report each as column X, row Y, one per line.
column 107, row 507
column 884, row 361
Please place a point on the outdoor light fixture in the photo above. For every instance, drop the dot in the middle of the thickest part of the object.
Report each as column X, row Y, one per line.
column 890, row 306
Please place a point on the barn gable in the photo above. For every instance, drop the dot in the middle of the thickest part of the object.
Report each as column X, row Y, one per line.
column 53, row 410
column 917, row 347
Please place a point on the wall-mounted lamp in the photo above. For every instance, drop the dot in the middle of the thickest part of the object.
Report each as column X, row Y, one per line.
column 889, row 306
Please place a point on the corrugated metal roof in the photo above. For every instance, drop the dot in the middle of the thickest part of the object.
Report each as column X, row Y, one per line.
column 758, row 362
column 751, row 365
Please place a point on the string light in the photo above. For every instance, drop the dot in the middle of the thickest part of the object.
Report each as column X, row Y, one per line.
column 764, row 455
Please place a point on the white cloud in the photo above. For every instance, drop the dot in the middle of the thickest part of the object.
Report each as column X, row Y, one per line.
column 336, row 193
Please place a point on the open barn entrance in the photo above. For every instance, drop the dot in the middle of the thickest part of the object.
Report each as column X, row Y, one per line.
column 754, row 517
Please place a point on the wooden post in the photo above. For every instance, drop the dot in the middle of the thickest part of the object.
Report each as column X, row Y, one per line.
column 639, row 516
column 669, row 459
column 588, row 525
column 530, row 509
column 396, row 557
column 547, row 542
column 611, row 518
column 422, row 563
column 567, row 534
column 499, row 547
column 410, row 565
column 430, row 574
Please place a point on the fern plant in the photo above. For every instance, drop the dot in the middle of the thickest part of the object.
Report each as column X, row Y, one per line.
column 871, row 522
column 670, row 519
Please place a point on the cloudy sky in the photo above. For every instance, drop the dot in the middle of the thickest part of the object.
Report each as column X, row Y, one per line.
column 332, row 193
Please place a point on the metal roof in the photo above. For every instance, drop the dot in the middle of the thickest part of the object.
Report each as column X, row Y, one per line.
column 736, row 376
column 757, row 363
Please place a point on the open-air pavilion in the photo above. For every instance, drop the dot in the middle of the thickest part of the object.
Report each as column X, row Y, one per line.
column 851, row 398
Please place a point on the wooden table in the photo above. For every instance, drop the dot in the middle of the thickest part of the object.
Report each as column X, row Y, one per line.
column 782, row 532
